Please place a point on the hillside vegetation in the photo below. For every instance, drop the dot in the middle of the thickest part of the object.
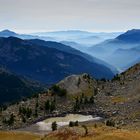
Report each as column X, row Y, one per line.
column 117, row 101
column 14, row 88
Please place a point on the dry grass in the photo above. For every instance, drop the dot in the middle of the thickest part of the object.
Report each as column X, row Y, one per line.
column 118, row 99
column 18, row 136
column 116, row 135
column 100, row 133
column 76, row 133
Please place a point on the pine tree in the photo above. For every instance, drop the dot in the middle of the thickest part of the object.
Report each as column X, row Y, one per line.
column 92, row 99
column 47, row 106
column 54, row 126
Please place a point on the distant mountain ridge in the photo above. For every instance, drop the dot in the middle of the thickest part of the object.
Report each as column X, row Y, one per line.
column 81, row 37
column 45, row 64
column 8, row 33
column 119, row 52
column 69, row 49
column 131, row 36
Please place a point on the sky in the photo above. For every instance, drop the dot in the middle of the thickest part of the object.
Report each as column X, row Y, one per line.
column 26, row 16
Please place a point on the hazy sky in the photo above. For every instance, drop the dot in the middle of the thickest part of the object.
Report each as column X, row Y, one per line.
column 91, row 15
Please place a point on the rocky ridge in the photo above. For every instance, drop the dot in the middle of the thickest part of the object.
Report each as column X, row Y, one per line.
column 117, row 100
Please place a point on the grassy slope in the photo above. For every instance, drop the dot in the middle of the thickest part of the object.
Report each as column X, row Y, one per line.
column 76, row 133
column 95, row 134
column 18, row 136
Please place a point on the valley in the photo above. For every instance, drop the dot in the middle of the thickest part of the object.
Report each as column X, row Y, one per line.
column 124, row 48
column 69, row 70
column 84, row 95
column 116, row 101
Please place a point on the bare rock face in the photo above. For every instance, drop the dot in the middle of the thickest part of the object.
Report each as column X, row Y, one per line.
column 78, row 84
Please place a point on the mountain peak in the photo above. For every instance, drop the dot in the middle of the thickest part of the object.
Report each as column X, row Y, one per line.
column 7, row 33
column 131, row 36
column 133, row 31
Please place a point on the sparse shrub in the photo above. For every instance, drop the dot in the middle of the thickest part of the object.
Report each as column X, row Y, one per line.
column 79, row 81
column 54, row 126
column 103, row 79
column 37, row 104
column 86, row 76
column 3, row 107
column 50, row 105
column 86, row 100
column 91, row 100
column 72, row 124
column 23, row 119
column 108, row 94
column 36, row 112
column 81, row 100
column 110, row 123
column 56, row 90
column 35, row 96
column 47, row 106
column 86, row 129
column 28, row 112
column 76, row 123
column 9, row 121
column 95, row 91
column 25, row 111
column 103, row 87
column 95, row 125
column 116, row 78
column 77, row 104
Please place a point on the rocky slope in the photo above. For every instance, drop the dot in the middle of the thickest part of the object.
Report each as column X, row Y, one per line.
column 77, row 84
column 120, row 98
column 117, row 100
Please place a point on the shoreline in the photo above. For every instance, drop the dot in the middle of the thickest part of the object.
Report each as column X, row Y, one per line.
column 43, row 127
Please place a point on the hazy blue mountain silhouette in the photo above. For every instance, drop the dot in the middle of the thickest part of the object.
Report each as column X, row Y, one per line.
column 119, row 52
column 131, row 36
column 45, row 64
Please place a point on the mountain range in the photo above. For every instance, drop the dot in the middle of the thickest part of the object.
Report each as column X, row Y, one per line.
column 115, row 100
column 8, row 33
column 121, row 52
column 118, row 46
column 79, row 37
column 78, row 86
column 47, row 64
column 109, row 47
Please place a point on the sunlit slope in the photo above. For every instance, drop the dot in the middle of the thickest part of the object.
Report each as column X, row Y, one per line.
column 94, row 134
column 76, row 133
column 18, row 136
